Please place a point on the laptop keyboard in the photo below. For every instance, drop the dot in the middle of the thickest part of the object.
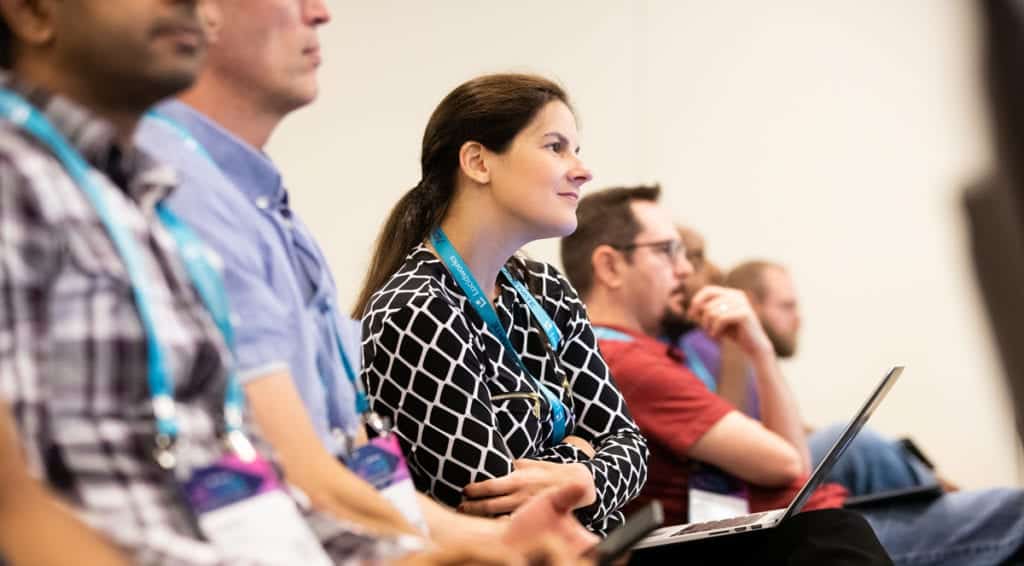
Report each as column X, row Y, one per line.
column 721, row 524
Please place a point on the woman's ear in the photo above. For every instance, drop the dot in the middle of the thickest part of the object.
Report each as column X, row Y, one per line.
column 472, row 162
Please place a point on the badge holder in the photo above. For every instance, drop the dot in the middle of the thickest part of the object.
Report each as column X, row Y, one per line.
column 715, row 495
column 382, row 464
column 239, row 504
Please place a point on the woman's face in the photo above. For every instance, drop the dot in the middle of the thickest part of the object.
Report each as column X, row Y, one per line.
column 538, row 179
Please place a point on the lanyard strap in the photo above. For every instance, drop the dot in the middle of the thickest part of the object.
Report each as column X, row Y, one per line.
column 362, row 405
column 22, row 114
column 187, row 138
column 550, row 328
column 697, row 366
column 460, row 271
column 208, row 283
column 610, row 334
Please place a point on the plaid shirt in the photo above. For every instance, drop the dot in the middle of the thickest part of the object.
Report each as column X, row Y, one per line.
column 73, row 362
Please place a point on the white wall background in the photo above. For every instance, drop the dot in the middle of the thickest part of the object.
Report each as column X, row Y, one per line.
column 832, row 136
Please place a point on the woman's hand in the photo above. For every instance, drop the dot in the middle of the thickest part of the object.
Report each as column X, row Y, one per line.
column 543, row 531
column 506, row 494
column 583, row 445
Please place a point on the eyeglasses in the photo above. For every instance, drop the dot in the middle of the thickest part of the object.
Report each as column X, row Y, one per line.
column 671, row 248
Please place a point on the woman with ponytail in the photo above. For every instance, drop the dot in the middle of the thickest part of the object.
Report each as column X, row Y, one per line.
column 484, row 361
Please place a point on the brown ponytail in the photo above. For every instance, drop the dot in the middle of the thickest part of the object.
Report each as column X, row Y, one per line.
column 490, row 110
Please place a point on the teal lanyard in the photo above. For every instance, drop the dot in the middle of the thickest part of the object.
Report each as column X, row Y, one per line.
column 204, row 277
column 460, row 271
column 697, row 366
column 187, row 138
column 610, row 334
column 693, row 361
column 362, row 405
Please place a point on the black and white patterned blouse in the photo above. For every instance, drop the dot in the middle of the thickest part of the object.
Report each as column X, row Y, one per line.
column 464, row 411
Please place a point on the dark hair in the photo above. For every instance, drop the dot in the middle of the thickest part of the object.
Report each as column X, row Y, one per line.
column 604, row 217
column 490, row 110
column 749, row 276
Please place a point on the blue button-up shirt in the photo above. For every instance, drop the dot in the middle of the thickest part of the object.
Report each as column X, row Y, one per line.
column 282, row 294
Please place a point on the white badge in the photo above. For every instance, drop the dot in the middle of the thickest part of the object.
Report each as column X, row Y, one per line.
column 242, row 509
column 381, row 463
column 715, row 495
column 710, row 506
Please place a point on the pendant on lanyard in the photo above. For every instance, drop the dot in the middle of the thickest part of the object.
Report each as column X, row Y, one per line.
column 22, row 114
column 460, row 272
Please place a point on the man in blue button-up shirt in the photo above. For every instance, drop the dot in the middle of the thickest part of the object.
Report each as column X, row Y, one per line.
column 282, row 294
column 283, row 297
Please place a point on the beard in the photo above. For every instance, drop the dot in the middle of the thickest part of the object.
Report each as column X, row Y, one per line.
column 674, row 325
column 784, row 345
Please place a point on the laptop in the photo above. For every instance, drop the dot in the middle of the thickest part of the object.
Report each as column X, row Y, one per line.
column 928, row 488
column 771, row 519
column 923, row 492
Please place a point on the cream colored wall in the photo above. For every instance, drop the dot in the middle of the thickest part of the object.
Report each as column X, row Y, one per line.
column 830, row 136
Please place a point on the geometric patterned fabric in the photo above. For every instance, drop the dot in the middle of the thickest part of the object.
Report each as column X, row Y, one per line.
column 464, row 410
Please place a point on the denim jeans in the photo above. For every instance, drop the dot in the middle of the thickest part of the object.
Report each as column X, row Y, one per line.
column 871, row 463
column 966, row 528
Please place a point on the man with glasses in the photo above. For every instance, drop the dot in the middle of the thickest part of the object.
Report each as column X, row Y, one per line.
column 625, row 259
column 614, row 261
column 617, row 261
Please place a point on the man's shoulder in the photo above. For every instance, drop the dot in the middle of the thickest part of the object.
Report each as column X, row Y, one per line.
column 641, row 358
column 30, row 170
column 21, row 153
column 628, row 353
column 201, row 184
column 204, row 197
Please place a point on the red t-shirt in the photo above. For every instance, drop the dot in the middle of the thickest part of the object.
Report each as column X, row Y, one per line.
column 674, row 409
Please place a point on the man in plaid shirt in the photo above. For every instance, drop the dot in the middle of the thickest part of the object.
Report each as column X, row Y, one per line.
column 73, row 355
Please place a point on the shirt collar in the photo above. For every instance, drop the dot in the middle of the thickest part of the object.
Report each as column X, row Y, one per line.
column 248, row 168
column 133, row 170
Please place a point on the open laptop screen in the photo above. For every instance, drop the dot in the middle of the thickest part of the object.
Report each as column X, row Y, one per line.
column 834, row 453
